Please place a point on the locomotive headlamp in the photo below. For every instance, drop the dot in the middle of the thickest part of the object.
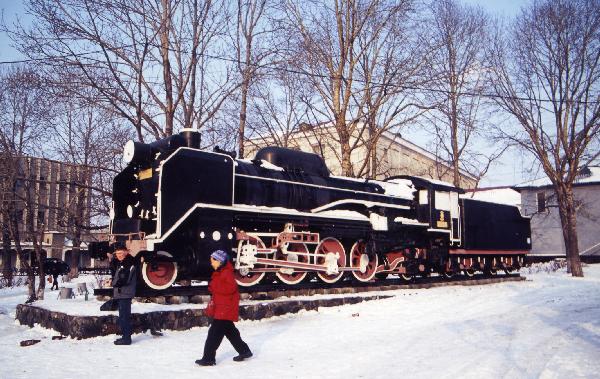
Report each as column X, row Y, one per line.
column 129, row 151
column 136, row 152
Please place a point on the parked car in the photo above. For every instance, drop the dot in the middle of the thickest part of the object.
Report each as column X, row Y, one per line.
column 55, row 265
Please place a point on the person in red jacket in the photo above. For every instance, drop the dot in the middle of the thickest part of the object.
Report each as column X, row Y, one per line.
column 225, row 299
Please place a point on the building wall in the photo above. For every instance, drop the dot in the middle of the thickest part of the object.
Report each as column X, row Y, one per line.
column 546, row 230
column 54, row 187
column 396, row 156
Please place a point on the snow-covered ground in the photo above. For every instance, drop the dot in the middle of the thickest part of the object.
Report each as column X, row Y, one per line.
column 547, row 326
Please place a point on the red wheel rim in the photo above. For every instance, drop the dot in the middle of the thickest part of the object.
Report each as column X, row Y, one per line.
column 333, row 246
column 357, row 254
column 294, row 277
column 159, row 275
column 251, row 278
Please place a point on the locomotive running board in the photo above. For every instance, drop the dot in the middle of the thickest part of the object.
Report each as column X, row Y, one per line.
column 487, row 252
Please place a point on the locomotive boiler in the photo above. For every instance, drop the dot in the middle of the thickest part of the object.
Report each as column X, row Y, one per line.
column 283, row 217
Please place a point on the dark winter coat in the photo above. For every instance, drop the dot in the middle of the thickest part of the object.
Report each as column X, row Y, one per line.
column 225, row 294
column 125, row 278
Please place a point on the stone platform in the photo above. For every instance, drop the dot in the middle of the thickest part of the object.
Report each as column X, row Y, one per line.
column 84, row 320
column 81, row 326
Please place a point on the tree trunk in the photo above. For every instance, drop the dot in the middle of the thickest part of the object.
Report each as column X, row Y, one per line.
column 568, row 220
column 164, row 52
column 345, row 147
column 40, row 255
column 75, row 253
column 6, row 254
column 243, row 110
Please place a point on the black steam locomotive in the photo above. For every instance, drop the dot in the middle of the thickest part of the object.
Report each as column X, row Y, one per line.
column 282, row 216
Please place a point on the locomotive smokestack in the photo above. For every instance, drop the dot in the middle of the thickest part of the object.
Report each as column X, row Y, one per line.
column 191, row 137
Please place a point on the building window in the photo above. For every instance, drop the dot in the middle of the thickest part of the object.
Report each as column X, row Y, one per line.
column 40, row 217
column 541, row 202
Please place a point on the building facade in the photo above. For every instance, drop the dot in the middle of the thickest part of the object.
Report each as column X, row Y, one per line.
column 393, row 154
column 539, row 202
column 52, row 194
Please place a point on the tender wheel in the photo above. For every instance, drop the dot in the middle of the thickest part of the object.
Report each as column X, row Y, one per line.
column 491, row 272
column 406, row 277
column 367, row 265
column 289, row 275
column 243, row 276
column 448, row 274
column 469, row 272
column 159, row 275
column 331, row 250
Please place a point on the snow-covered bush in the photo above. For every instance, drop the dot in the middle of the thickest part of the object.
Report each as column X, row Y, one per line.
column 17, row 281
column 547, row 267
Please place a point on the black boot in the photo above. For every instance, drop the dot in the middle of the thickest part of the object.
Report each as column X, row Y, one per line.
column 243, row 356
column 123, row 341
column 205, row 362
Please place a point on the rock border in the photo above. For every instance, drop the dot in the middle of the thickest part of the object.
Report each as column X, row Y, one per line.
column 81, row 327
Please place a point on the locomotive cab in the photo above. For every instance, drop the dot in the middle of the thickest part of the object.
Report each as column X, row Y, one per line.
column 437, row 204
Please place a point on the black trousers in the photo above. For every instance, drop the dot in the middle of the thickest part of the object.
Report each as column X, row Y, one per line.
column 54, row 282
column 125, row 318
column 219, row 329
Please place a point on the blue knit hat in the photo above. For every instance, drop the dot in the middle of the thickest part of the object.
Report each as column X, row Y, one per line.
column 219, row 255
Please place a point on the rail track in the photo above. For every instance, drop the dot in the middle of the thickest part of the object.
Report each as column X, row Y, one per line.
column 272, row 290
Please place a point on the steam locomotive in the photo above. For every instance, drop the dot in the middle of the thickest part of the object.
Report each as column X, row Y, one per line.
column 283, row 217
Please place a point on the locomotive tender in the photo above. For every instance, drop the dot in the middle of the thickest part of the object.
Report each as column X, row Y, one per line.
column 282, row 215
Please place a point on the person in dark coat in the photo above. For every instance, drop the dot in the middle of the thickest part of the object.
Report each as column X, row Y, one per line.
column 225, row 299
column 124, row 283
column 54, row 279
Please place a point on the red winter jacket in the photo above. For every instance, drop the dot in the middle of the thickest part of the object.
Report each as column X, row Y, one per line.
column 225, row 294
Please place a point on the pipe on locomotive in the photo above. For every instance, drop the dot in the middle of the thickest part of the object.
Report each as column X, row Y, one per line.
column 138, row 152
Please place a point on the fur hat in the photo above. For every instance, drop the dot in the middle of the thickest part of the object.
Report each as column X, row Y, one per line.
column 219, row 255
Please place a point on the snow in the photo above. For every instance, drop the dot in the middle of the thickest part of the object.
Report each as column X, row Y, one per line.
column 270, row 166
column 403, row 188
column 547, row 327
column 263, row 164
column 594, row 177
column 506, row 196
column 409, row 221
column 343, row 214
column 435, row 181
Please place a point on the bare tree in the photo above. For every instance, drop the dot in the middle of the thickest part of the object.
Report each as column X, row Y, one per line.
column 547, row 76
column 457, row 35
column 149, row 61
column 389, row 70
column 87, row 137
column 26, row 110
column 278, row 110
column 329, row 39
column 254, row 47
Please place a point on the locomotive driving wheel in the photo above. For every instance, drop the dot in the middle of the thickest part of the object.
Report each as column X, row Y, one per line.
column 158, row 274
column 244, row 276
column 330, row 252
column 359, row 259
column 294, row 252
